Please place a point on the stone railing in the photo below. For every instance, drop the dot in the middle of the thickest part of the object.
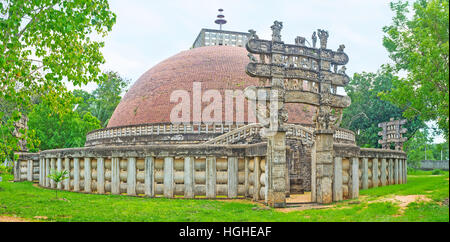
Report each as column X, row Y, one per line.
column 293, row 131
column 190, row 171
column 354, row 169
column 161, row 128
column 26, row 168
column 198, row 133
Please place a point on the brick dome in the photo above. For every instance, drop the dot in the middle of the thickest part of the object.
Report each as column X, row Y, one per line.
column 216, row 67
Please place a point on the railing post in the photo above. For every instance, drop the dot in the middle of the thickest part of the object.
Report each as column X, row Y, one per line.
column 391, row 172
column 406, row 170
column 168, row 177
column 337, row 180
column 365, row 173
column 354, row 181
column 257, row 174
column 41, row 171
column 149, row 176
column 400, row 172
column 87, row 174
column 131, row 176
column 30, row 170
column 396, row 171
column 52, row 165
column 189, row 180
column 233, row 177
column 383, row 172
column 67, row 168
column 47, row 172
column 115, row 175
column 76, row 174
column 59, row 168
column 100, row 175
column 246, row 173
column 211, row 172
column 375, row 172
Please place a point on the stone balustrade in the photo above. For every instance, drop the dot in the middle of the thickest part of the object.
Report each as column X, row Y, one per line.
column 357, row 168
column 160, row 128
column 190, row 171
column 27, row 167
column 293, row 131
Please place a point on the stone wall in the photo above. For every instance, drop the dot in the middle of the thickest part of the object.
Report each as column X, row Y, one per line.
column 26, row 168
column 210, row 171
column 355, row 169
column 434, row 164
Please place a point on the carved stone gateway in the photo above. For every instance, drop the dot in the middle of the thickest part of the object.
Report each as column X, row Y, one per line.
column 392, row 134
column 298, row 74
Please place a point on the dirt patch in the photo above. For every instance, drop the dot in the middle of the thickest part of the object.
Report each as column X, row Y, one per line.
column 12, row 219
column 445, row 202
column 304, row 207
column 404, row 201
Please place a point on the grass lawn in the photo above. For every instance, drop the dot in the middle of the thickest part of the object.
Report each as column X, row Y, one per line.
column 27, row 201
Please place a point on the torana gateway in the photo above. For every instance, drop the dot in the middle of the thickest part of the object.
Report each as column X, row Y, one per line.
column 296, row 148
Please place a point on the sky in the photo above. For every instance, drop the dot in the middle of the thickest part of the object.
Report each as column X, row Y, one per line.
column 149, row 31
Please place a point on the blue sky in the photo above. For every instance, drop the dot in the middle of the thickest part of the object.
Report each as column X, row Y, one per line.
column 147, row 32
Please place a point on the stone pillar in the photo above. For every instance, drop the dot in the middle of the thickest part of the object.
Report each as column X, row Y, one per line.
column 100, row 175
column 67, row 168
column 406, row 170
column 87, row 175
column 324, row 166
column 131, row 176
column 383, row 172
column 246, row 174
column 276, row 170
column 391, row 172
column 337, row 180
column 375, row 172
column 233, row 177
column 47, row 172
column 76, row 174
column 59, row 169
column 41, row 171
column 189, row 179
column 211, row 172
column 52, row 169
column 400, row 170
column 30, row 170
column 149, row 176
column 396, row 180
column 115, row 175
column 17, row 170
column 168, row 177
column 257, row 181
column 353, row 189
column 365, row 173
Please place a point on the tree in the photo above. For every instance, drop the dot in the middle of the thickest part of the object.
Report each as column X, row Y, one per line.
column 368, row 109
column 103, row 100
column 417, row 146
column 419, row 47
column 57, row 177
column 57, row 125
column 42, row 43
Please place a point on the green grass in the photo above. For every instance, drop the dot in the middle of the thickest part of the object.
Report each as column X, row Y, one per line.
column 27, row 201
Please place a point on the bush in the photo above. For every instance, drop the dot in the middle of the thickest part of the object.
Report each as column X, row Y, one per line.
column 436, row 172
column 4, row 169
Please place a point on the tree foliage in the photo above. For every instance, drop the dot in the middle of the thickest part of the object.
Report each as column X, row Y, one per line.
column 103, row 100
column 419, row 47
column 42, row 44
column 368, row 109
column 57, row 125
